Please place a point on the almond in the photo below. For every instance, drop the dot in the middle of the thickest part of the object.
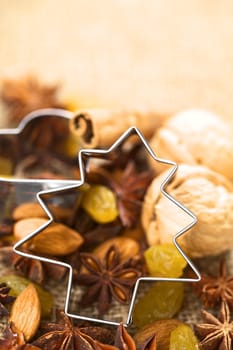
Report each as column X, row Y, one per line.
column 23, row 227
column 128, row 247
column 56, row 239
column 26, row 312
column 27, row 210
column 33, row 209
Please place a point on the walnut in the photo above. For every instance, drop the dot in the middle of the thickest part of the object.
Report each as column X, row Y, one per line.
column 195, row 137
column 207, row 194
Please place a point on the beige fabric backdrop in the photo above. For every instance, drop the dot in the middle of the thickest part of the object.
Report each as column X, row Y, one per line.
column 165, row 54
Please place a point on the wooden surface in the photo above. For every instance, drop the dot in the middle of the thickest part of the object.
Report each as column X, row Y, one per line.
column 164, row 54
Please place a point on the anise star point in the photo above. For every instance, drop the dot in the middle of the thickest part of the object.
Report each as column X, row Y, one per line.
column 216, row 333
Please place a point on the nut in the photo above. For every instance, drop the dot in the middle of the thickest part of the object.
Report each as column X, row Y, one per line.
column 162, row 329
column 207, row 194
column 56, row 239
column 33, row 209
column 26, row 312
column 26, row 210
column 24, row 227
column 128, row 247
column 195, row 137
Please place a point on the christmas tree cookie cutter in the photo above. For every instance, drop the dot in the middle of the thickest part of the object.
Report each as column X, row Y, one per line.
column 51, row 187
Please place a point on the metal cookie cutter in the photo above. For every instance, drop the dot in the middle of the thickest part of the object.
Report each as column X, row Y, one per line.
column 11, row 141
column 56, row 188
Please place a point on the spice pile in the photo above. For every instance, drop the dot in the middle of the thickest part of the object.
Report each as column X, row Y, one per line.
column 112, row 230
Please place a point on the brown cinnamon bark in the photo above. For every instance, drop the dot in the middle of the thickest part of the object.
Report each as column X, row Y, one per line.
column 101, row 127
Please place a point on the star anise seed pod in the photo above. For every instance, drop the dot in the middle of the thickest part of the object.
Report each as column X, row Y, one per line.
column 37, row 270
column 124, row 341
column 214, row 289
column 13, row 339
column 26, row 95
column 106, row 279
column 130, row 191
column 216, row 333
column 149, row 344
column 63, row 335
column 5, row 298
column 129, row 188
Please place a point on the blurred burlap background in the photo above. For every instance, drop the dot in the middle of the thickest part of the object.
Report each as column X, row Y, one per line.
column 165, row 54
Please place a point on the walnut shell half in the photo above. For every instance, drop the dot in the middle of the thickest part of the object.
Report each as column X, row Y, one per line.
column 195, row 137
column 207, row 194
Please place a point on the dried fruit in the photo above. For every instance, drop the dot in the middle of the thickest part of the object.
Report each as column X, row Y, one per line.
column 183, row 338
column 26, row 311
column 164, row 260
column 17, row 284
column 163, row 300
column 100, row 203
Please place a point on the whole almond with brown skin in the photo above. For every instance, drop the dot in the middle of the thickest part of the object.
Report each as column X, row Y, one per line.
column 34, row 209
column 26, row 312
column 23, row 227
column 128, row 247
column 56, row 239
column 162, row 329
column 27, row 210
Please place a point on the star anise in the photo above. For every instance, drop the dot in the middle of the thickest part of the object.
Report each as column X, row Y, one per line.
column 129, row 186
column 26, row 95
column 5, row 299
column 216, row 333
column 37, row 270
column 214, row 289
column 130, row 191
column 63, row 335
column 13, row 339
column 124, row 341
column 106, row 279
